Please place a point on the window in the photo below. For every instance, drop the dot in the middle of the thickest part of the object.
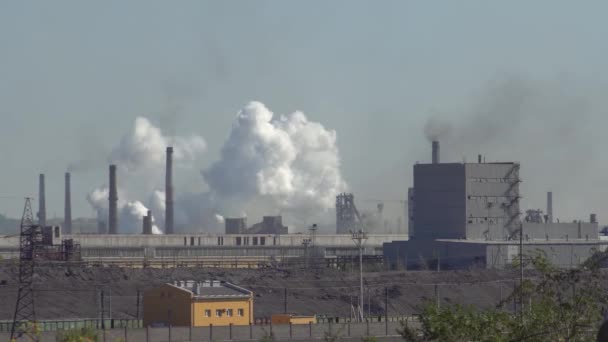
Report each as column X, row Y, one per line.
column 240, row 312
column 56, row 232
column 218, row 313
column 229, row 312
column 255, row 240
column 192, row 241
column 238, row 240
column 262, row 241
column 199, row 241
column 185, row 241
column 207, row 313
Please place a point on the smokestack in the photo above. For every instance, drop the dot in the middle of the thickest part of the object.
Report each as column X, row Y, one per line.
column 147, row 223
column 169, row 192
column 550, row 207
column 41, row 202
column 435, row 152
column 112, row 217
column 67, row 214
column 479, row 158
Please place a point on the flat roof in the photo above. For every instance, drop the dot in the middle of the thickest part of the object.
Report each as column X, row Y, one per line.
column 527, row 242
column 212, row 289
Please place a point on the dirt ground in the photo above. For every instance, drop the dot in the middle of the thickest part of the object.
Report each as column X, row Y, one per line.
column 63, row 293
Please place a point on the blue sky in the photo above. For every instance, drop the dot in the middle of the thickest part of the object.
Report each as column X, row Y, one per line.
column 74, row 75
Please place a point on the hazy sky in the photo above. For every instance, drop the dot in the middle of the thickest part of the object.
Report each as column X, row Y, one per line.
column 75, row 74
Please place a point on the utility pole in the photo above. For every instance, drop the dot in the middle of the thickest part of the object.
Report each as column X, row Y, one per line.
column 521, row 273
column 359, row 238
column 285, row 300
column 29, row 236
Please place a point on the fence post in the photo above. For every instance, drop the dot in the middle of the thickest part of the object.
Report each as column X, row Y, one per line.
column 309, row 329
column 230, row 330
column 190, row 332
column 250, row 331
column 329, row 327
column 210, row 332
column 348, row 325
column 126, row 336
column 169, row 332
column 147, row 333
column 367, row 327
column 290, row 331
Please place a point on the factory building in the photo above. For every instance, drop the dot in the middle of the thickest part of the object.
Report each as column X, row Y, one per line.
column 197, row 304
column 468, row 213
column 269, row 225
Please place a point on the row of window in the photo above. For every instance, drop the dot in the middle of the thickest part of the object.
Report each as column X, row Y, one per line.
column 492, row 180
column 244, row 241
column 486, row 220
column 227, row 312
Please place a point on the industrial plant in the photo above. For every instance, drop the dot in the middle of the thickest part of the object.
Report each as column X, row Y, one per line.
column 458, row 214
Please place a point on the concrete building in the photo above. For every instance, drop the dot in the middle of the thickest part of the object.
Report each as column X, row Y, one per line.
column 196, row 304
column 136, row 249
column 468, row 213
column 269, row 225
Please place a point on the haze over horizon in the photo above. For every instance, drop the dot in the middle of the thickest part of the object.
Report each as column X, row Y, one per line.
column 74, row 77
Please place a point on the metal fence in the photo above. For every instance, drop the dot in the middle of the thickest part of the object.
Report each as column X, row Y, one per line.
column 250, row 332
column 54, row 325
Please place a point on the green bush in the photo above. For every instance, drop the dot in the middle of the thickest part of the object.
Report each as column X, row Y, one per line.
column 78, row 335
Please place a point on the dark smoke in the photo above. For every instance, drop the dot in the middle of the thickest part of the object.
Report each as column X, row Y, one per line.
column 545, row 125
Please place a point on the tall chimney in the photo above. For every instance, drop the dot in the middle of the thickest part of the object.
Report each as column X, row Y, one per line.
column 67, row 214
column 112, row 217
column 147, row 223
column 550, row 207
column 435, row 152
column 169, row 192
column 41, row 202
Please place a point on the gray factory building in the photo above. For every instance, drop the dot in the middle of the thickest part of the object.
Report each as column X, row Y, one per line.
column 464, row 214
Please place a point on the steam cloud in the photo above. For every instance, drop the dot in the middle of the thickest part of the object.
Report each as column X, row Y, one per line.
column 290, row 160
column 130, row 213
column 287, row 163
column 144, row 147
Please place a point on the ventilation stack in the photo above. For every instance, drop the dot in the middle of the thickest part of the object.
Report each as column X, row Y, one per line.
column 113, row 198
column 147, row 223
column 169, row 192
column 435, row 152
column 550, row 207
column 41, row 202
column 67, row 214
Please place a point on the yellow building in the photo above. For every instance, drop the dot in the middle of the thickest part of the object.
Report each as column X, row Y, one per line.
column 191, row 303
column 293, row 319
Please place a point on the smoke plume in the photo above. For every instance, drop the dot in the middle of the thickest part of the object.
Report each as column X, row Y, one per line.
column 130, row 213
column 545, row 125
column 290, row 161
column 144, row 147
column 287, row 165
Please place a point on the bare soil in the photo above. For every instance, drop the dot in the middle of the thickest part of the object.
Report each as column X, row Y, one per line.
column 73, row 292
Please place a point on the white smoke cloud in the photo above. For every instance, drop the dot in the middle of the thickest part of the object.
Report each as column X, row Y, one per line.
column 130, row 213
column 290, row 161
column 267, row 165
column 144, row 147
